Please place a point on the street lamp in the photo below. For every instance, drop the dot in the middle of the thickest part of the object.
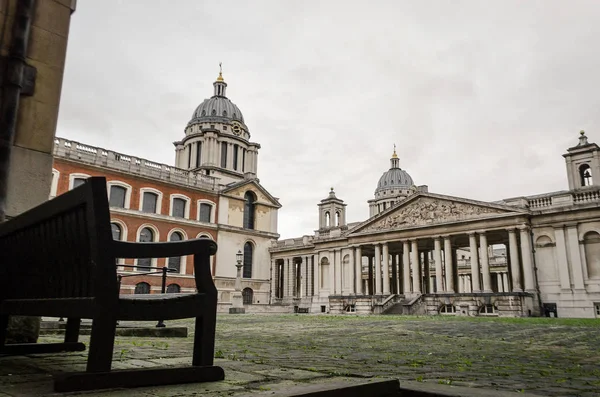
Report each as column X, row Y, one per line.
column 237, row 303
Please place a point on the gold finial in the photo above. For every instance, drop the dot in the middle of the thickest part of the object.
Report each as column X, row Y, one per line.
column 332, row 189
column 220, row 78
column 582, row 132
column 394, row 156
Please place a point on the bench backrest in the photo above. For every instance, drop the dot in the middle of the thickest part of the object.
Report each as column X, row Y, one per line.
column 60, row 249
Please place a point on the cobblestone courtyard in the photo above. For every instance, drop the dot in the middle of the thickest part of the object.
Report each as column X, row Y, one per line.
column 542, row 356
column 549, row 357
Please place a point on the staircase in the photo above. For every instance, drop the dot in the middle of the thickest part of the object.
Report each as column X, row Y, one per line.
column 406, row 306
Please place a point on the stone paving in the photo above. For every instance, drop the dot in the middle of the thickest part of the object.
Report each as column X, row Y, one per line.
column 263, row 353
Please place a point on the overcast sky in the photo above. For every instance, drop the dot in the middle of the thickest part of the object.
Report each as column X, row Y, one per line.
column 481, row 97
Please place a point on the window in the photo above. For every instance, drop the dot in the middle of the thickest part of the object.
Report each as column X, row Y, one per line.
column 247, row 265
column 198, row 154
column 597, row 309
column 149, row 202
column 585, row 174
column 447, row 309
column 488, row 309
column 247, row 296
column 249, row 210
column 142, row 288
column 117, row 196
column 243, row 160
column 175, row 262
column 205, row 211
column 223, row 155
column 78, row 182
column 235, row 157
column 146, row 236
column 179, row 205
column 591, row 248
column 173, row 289
column 116, row 231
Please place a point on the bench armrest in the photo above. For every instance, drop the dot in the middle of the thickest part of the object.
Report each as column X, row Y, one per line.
column 124, row 249
column 201, row 248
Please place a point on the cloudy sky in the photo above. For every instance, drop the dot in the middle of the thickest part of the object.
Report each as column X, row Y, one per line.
column 481, row 97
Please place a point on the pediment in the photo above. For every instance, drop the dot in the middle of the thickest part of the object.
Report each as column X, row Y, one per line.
column 427, row 209
column 239, row 189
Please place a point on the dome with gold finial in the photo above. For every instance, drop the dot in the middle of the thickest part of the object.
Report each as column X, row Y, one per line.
column 218, row 108
column 395, row 178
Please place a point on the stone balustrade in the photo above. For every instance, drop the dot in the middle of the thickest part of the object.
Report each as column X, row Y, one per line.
column 66, row 149
column 557, row 200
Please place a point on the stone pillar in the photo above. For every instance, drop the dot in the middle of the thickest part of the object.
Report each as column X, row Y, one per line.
column 332, row 273
column 370, row 277
column 575, row 256
column 474, row 262
column 398, row 260
column 395, row 276
column 416, row 266
column 437, row 258
column 485, row 263
column 448, row 264
column 351, row 268
column 386, row 269
column 505, row 282
column 273, row 279
column 377, row 273
column 427, row 284
column 526, row 254
column 561, row 259
column 339, row 273
column 317, row 276
column 303, row 277
column 406, row 266
column 358, row 270
column 514, row 261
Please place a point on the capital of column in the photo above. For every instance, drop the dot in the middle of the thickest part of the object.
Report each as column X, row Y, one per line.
column 523, row 227
column 510, row 230
column 471, row 233
column 481, row 232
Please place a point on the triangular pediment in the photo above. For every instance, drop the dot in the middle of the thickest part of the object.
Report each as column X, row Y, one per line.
column 238, row 190
column 425, row 209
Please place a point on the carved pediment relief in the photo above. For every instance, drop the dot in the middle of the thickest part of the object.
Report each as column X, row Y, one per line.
column 427, row 211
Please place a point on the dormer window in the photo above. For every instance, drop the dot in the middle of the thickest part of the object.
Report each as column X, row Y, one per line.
column 214, row 112
column 204, row 112
column 224, row 113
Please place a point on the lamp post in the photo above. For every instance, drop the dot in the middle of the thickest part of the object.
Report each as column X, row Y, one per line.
column 237, row 303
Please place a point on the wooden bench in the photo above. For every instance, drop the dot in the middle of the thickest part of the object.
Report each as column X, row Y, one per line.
column 59, row 260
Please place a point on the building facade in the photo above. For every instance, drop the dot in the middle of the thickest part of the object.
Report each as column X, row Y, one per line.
column 428, row 253
column 212, row 192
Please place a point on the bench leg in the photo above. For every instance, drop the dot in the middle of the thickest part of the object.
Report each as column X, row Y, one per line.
column 102, row 342
column 204, row 339
column 72, row 329
column 3, row 330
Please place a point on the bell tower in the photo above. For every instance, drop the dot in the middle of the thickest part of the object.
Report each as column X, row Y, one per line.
column 583, row 164
column 332, row 212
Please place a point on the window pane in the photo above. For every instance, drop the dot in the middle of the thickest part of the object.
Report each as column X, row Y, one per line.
column 117, row 196
column 249, row 211
column 205, row 210
column 146, row 235
column 173, row 289
column 223, row 155
column 149, row 203
column 116, row 231
column 78, row 182
column 175, row 262
column 142, row 288
column 179, row 207
column 247, row 269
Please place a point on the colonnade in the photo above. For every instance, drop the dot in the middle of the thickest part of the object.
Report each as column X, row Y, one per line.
column 408, row 266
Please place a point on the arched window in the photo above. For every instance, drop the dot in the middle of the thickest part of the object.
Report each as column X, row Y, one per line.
column 327, row 219
column 247, row 296
column 337, row 218
column 249, row 209
column 224, row 155
column 146, row 236
column 175, row 262
column 585, row 174
column 247, row 269
column 487, row 310
column 179, row 207
column 116, row 231
column 117, row 196
column 142, row 288
column 224, row 113
column 149, row 201
column 173, row 289
column 205, row 211
column 591, row 244
column 213, row 112
column 204, row 113
column 447, row 309
column 324, row 273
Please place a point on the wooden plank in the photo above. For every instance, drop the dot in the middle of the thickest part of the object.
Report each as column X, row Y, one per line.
column 83, row 381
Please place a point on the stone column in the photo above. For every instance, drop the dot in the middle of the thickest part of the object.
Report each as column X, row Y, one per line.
column 474, row 262
column 575, row 256
column 332, row 273
column 339, row 273
column 273, row 279
column 406, row 266
column 448, row 263
column 485, row 263
column 317, row 276
column 561, row 259
column 351, row 269
column 437, row 258
column 377, row 272
column 514, row 261
column 397, row 261
column 526, row 254
column 505, row 282
column 426, row 284
column 303, row 278
column 358, row 271
column 386, row 269
column 416, row 266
